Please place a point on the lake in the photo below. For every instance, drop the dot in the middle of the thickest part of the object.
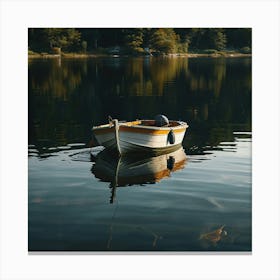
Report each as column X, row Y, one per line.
column 198, row 198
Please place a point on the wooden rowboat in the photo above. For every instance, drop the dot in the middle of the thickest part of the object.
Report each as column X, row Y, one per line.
column 140, row 136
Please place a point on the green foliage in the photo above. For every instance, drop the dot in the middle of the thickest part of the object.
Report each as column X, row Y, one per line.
column 208, row 38
column 164, row 40
column 196, row 38
column 219, row 39
column 30, row 52
column 37, row 39
column 84, row 46
column 134, row 40
column 137, row 40
column 210, row 51
column 183, row 47
column 245, row 50
column 238, row 37
column 64, row 38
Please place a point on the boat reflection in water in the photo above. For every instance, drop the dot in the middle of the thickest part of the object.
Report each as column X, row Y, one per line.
column 127, row 170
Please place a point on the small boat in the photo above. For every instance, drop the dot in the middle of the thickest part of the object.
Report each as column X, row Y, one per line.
column 145, row 136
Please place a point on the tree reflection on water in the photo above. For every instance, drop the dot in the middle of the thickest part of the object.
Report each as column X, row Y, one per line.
column 67, row 97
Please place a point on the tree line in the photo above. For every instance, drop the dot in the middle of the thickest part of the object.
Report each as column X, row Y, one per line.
column 139, row 40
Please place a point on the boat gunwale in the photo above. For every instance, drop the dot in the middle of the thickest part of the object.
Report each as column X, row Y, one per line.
column 102, row 126
column 180, row 125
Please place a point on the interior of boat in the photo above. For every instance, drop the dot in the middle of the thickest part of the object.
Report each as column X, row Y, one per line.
column 152, row 123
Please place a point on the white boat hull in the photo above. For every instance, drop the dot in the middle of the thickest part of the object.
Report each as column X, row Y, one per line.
column 127, row 138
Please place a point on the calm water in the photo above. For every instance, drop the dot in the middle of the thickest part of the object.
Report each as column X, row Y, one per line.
column 196, row 199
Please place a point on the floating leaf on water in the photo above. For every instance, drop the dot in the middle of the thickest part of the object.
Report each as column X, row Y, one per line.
column 214, row 236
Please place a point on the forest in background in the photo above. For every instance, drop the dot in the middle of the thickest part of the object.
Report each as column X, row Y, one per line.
column 139, row 41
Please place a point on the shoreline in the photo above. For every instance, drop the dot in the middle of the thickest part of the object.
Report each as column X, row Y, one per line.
column 89, row 55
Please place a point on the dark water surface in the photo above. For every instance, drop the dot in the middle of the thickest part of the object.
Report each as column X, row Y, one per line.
column 196, row 199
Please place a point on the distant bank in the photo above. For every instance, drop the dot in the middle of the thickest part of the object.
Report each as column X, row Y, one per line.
column 94, row 55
